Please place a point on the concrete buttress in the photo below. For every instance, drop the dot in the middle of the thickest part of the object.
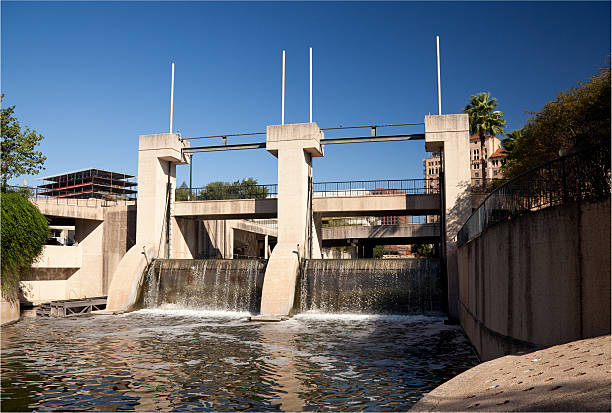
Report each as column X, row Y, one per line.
column 294, row 145
column 158, row 156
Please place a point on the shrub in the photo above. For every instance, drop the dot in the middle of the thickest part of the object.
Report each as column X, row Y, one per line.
column 24, row 232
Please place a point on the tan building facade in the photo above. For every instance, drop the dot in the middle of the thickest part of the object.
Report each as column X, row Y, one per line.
column 493, row 154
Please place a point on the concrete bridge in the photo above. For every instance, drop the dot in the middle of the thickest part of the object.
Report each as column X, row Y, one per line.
column 345, row 206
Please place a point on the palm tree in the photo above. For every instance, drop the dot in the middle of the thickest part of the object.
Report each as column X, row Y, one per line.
column 484, row 120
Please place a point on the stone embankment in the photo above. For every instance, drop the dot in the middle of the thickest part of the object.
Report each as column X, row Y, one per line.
column 569, row 377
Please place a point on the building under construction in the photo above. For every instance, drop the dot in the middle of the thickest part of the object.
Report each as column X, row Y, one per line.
column 89, row 183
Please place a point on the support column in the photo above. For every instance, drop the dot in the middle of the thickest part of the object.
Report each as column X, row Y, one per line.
column 450, row 134
column 294, row 146
column 158, row 156
column 266, row 244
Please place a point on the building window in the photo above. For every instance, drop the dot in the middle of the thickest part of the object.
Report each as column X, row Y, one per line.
column 495, row 172
column 476, row 174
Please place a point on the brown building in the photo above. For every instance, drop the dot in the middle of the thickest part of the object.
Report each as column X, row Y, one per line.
column 493, row 154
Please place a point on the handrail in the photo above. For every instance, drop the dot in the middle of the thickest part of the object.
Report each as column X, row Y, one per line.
column 583, row 175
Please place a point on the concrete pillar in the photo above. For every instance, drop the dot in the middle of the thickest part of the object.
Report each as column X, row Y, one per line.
column 266, row 245
column 450, row 133
column 294, row 146
column 158, row 156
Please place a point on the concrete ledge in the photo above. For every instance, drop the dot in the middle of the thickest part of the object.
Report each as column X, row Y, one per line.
column 268, row 318
column 10, row 311
column 70, row 208
column 226, row 209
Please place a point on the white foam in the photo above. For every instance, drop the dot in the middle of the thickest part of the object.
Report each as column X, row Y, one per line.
column 173, row 311
column 368, row 317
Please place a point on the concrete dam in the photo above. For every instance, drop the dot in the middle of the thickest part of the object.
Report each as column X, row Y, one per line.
column 359, row 286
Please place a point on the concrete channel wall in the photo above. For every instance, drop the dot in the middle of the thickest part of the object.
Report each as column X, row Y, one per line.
column 537, row 280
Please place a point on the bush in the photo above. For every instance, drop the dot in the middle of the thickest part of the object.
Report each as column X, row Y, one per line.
column 24, row 232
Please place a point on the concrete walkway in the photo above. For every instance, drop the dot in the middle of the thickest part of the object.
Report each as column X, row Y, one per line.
column 568, row 377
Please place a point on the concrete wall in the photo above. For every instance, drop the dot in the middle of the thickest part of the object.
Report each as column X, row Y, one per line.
column 59, row 256
column 119, row 236
column 86, row 269
column 9, row 311
column 537, row 280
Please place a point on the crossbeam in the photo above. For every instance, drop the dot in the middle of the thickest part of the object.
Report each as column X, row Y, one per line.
column 328, row 141
column 382, row 138
column 235, row 147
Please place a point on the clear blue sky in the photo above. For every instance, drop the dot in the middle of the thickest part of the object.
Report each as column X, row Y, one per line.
column 92, row 76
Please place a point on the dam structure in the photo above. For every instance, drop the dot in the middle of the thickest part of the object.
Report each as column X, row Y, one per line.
column 168, row 229
column 171, row 229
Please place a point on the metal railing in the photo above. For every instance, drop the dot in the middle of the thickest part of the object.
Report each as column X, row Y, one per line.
column 377, row 187
column 581, row 176
column 215, row 193
column 266, row 222
column 370, row 221
column 37, row 194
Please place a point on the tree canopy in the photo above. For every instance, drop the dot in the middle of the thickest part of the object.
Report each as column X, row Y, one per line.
column 24, row 233
column 484, row 119
column 246, row 188
column 576, row 119
column 18, row 147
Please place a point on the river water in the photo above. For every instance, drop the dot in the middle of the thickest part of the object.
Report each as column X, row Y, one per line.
column 175, row 359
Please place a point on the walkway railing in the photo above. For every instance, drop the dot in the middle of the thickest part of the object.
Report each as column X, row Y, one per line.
column 377, row 187
column 37, row 194
column 220, row 192
column 371, row 221
column 582, row 176
column 320, row 189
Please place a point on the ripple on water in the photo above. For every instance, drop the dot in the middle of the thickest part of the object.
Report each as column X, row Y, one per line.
column 173, row 358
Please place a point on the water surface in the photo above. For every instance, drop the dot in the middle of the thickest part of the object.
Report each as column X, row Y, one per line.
column 172, row 359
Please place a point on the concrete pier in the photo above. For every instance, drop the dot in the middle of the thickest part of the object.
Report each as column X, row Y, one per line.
column 294, row 145
column 158, row 156
column 450, row 134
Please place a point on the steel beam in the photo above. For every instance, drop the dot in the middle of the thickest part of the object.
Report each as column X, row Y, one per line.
column 258, row 145
column 328, row 141
column 382, row 138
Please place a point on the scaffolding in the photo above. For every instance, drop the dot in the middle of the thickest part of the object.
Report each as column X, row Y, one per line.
column 89, row 183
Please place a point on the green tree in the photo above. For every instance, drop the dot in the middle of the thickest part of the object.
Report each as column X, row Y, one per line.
column 576, row 119
column 484, row 120
column 379, row 251
column 246, row 188
column 182, row 192
column 422, row 250
column 512, row 139
column 18, row 147
column 24, row 232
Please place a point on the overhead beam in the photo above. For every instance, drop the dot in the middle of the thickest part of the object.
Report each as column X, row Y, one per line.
column 240, row 146
column 382, row 138
column 328, row 141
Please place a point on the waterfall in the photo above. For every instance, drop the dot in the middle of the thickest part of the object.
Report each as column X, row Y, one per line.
column 398, row 286
column 210, row 284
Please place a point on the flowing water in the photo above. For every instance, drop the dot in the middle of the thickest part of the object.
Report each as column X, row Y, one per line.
column 370, row 286
column 170, row 359
column 193, row 348
column 226, row 285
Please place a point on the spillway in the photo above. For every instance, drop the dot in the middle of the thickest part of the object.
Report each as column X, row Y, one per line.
column 366, row 286
column 371, row 286
column 210, row 284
